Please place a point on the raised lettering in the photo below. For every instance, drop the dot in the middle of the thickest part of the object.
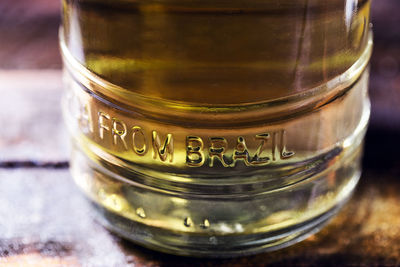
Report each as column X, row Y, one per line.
column 284, row 153
column 85, row 119
column 165, row 150
column 257, row 160
column 241, row 152
column 119, row 132
column 102, row 126
column 217, row 150
column 137, row 130
column 194, row 151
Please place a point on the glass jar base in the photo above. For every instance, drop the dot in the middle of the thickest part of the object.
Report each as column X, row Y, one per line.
column 209, row 246
column 212, row 224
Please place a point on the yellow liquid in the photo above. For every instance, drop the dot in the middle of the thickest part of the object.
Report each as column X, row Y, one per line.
column 209, row 128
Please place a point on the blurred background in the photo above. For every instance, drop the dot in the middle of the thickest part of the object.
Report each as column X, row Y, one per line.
column 29, row 46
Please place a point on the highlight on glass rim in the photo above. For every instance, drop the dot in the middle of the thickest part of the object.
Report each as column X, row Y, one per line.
column 216, row 128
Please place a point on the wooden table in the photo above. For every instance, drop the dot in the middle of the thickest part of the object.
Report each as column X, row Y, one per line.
column 44, row 220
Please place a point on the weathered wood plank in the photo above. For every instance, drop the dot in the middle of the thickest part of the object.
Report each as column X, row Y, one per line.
column 45, row 219
column 30, row 117
column 28, row 34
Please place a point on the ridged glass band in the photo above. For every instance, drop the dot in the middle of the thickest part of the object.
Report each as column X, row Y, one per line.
column 275, row 109
column 198, row 172
column 288, row 186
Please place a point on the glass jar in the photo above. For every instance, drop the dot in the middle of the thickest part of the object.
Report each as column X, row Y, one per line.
column 216, row 128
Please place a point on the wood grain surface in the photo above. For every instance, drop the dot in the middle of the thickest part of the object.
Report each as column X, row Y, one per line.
column 30, row 106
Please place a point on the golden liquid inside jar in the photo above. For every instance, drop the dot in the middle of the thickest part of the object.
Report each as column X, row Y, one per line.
column 215, row 128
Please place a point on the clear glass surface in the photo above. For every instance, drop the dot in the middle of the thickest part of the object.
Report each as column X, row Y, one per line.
column 216, row 128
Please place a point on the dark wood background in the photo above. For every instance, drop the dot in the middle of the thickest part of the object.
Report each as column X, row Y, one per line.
column 45, row 222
